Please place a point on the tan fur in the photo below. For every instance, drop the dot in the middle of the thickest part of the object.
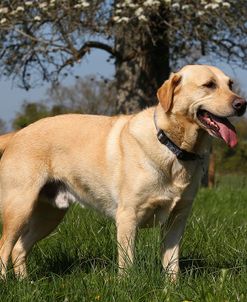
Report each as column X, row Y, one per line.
column 4, row 141
column 166, row 92
column 113, row 164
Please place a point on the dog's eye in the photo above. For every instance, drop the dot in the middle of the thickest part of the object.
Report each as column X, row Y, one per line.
column 210, row 84
column 230, row 84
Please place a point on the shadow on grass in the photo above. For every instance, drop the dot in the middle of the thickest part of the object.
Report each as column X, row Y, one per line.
column 199, row 266
column 193, row 266
column 66, row 265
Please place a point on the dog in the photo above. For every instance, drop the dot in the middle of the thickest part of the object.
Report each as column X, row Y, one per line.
column 141, row 170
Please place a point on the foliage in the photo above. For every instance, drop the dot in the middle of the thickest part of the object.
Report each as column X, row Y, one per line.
column 2, row 126
column 88, row 95
column 233, row 160
column 78, row 261
column 31, row 112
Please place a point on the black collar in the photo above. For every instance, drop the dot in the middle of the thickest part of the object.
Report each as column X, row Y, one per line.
column 181, row 154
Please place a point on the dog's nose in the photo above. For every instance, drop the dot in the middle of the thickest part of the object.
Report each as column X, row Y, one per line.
column 239, row 105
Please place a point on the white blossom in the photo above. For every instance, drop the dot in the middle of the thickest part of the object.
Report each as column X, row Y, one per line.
column 85, row 4
column 122, row 20
column 82, row 4
column 127, row 4
column 139, row 11
column 20, row 9
column 2, row 21
column 14, row 12
column 151, row 3
column 116, row 18
column 43, row 5
column 4, row 10
column 132, row 5
column 28, row 3
column 175, row 5
column 215, row 5
column 226, row 4
column 125, row 19
column 37, row 18
column 185, row 6
column 211, row 6
column 142, row 18
column 200, row 13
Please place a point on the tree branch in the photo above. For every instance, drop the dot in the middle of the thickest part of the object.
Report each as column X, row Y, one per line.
column 87, row 46
column 99, row 45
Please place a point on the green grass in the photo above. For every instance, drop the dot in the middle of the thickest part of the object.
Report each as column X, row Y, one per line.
column 78, row 261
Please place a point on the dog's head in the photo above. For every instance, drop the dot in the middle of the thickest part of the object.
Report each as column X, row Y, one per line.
column 203, row 95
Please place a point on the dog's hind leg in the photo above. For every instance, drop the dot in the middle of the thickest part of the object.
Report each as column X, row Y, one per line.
column 17, row 208
column 43, row 221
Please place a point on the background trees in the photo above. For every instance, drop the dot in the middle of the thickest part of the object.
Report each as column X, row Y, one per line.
column 233, row 160
column 89, row 95
column 40, row 40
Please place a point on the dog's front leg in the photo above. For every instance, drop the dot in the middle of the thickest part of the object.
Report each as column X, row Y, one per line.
column 126, row 232
column 171, row 235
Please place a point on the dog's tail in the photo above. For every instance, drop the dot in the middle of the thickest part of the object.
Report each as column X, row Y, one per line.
column 4, row 140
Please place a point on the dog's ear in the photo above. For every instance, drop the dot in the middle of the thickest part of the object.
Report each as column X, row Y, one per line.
column 166, row 92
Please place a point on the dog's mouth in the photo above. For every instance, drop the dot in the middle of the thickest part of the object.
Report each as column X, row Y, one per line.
column 218, row 127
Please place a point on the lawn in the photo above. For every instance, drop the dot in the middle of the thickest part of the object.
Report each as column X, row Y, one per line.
column 78, row 261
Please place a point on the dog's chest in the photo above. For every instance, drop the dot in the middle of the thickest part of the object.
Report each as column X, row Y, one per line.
column 185, row 178
column 167, row 189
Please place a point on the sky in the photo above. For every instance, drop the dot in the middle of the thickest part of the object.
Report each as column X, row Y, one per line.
column 12, row 97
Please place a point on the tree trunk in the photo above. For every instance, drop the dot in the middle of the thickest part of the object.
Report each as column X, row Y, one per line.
column 138, row 79
column 208, row 180
column 211, row 170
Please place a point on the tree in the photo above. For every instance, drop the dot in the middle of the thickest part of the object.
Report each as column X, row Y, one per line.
column 145, row 38
column 89, row 95
column 2, row 126
column 233, row 160
column 30, row 112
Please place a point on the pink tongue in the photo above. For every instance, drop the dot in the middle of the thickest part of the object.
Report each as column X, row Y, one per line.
column 227, row 131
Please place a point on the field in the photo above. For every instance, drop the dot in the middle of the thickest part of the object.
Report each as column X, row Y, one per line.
column 78, row 261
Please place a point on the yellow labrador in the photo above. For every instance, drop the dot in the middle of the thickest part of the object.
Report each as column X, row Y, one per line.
column 138, row 169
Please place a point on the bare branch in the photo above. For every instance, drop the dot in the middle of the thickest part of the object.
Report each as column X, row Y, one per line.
column 79, row 54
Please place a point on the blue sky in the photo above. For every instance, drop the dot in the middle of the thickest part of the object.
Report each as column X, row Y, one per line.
column 12, row 97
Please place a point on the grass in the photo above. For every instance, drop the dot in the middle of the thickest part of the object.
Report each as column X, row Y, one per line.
column 78, row 261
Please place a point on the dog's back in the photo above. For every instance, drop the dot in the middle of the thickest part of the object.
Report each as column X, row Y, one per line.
column 4, row 141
